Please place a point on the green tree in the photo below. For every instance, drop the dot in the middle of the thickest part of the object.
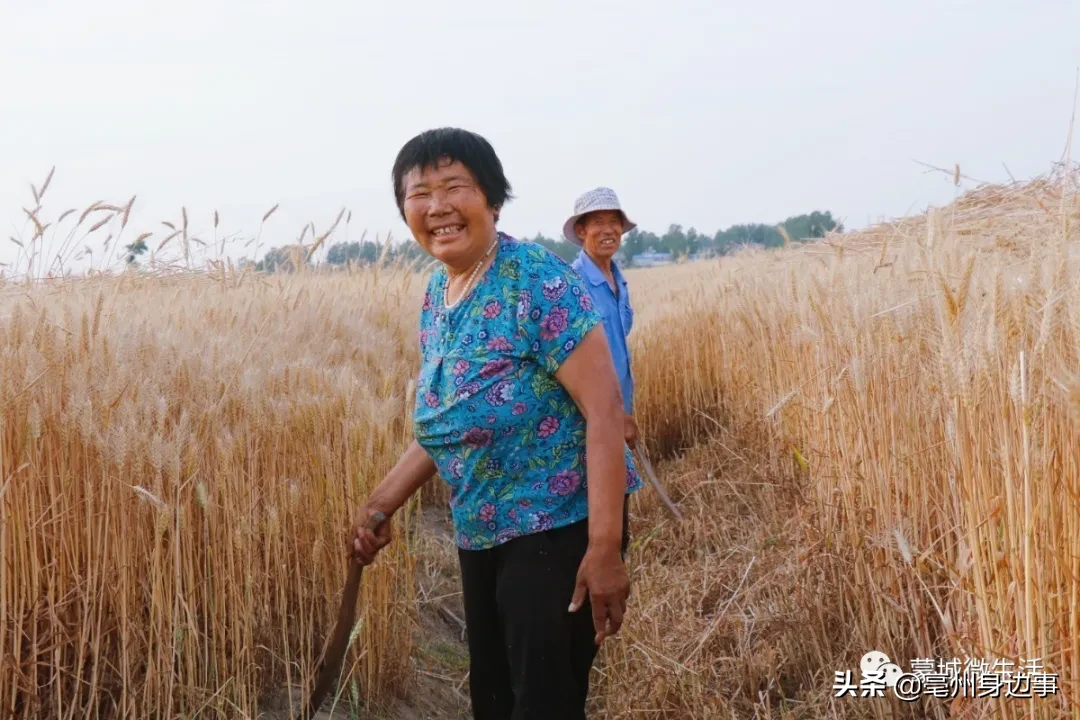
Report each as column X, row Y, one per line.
column 286, row 258
column 566, row 250
column 134, row 250
column 814, row 225
column 636, row 242
column 341, row 253
column 408, row 251
column 799, row 227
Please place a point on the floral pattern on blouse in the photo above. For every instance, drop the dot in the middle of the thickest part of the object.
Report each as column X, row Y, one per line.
column 504, row 433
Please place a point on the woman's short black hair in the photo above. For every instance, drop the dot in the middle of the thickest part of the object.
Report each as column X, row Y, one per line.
column 428, row 148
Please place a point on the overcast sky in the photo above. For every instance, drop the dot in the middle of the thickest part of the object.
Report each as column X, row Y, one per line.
column 700, row 113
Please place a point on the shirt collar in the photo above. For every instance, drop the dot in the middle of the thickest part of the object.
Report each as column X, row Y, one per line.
column 593, row 273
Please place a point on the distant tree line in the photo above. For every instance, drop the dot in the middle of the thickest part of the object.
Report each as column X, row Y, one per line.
column 676, row 242
column 283, row 259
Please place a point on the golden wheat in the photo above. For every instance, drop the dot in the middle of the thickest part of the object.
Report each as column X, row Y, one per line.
column 880, row 434
column 180, row 459
column 930, row 394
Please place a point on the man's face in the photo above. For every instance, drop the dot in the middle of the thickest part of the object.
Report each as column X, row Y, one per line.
column 601, row 233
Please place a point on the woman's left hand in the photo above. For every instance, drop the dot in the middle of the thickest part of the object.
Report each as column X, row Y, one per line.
column 602, row 574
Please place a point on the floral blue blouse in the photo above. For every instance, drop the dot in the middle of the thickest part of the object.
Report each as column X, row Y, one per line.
column 503, row 432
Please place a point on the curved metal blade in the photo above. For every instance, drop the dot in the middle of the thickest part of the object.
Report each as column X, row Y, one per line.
column 656, row 483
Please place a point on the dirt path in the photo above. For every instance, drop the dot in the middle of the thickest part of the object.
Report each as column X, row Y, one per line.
column 439, row 689
column 730, row 618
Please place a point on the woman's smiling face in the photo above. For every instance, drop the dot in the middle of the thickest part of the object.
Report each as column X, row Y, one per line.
column 448, row 213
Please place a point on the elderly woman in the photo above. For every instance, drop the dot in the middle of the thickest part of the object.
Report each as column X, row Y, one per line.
column 518, row 409
column 597, row 226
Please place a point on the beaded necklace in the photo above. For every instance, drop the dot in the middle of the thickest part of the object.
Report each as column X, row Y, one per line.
column 469, row 282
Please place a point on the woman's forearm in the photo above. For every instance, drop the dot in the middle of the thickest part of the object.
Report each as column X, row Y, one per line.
column 414, row 468
column 606, row 472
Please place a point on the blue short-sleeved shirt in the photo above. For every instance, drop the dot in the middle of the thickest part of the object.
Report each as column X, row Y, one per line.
column 618, row 318
column 503, row 432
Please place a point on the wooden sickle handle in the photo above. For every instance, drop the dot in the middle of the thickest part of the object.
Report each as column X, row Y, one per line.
column 339, row 641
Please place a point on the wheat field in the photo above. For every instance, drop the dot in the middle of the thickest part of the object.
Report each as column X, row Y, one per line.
column 871, row 437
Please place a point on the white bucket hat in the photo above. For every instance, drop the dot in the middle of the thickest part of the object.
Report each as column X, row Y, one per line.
column 600, row 198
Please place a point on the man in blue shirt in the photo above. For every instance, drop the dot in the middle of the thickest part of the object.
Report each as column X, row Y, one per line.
column 597, row 227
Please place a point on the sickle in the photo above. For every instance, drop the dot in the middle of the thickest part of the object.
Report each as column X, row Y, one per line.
column 339, row 641
column 656, row 483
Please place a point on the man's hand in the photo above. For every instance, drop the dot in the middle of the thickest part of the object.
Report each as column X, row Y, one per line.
column 365, row 543
column 603, row 576
column 630, row 430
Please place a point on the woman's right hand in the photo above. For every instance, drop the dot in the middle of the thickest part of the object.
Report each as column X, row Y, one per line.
column 414, row 468
column 366, row 544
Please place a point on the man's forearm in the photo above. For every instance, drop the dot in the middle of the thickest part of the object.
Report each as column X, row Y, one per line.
column 606, row 472
column 414, row 468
